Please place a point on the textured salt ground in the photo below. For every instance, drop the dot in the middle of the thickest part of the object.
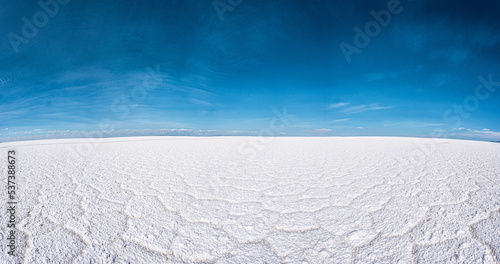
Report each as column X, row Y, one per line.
column 300, row 200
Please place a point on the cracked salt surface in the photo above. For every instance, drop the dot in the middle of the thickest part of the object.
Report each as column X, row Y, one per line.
column 302, row 200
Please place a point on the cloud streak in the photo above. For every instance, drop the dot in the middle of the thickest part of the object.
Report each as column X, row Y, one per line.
column 341, row 120
column 338, row 105
column 478, row 134
column 363, row 108
column 320, row 130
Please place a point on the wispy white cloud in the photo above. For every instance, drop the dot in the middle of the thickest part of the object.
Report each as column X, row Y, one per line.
column 340, row 120
column 338, row 105
column 200, row 92
column 200, row 102
column 320, row 130
column 483, row 134
column 487, row 134
column 355, row 108
column 363, row 108
column 427, row 125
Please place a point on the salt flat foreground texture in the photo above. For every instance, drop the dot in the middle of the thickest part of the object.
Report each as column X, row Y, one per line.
column 299, row 200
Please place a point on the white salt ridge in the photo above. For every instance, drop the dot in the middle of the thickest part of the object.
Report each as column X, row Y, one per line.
column 302, row 200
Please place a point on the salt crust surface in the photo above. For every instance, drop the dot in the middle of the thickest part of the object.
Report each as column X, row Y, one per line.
column 299, row 200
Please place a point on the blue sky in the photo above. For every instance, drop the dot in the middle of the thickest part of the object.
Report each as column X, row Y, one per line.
column 159, row 67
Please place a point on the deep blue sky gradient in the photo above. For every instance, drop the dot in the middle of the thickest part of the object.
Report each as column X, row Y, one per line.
column 174, row 67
